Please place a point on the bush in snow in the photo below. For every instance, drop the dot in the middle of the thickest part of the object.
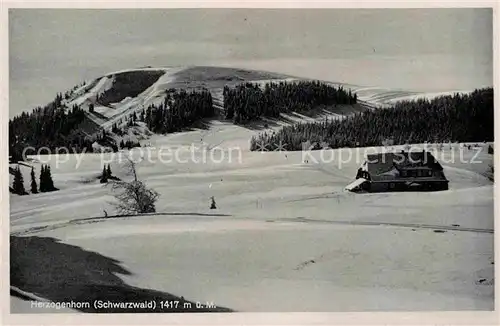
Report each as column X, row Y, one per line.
column 133, row 197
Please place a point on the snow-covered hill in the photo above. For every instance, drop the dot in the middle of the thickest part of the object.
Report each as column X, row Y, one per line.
column 285, row 235
column 152, row 90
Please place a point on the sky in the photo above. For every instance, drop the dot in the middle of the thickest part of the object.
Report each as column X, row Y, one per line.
column 51, row 50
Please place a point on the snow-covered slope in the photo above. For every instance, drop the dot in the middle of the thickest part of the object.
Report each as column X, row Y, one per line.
column 285, row 235
column 212, row 78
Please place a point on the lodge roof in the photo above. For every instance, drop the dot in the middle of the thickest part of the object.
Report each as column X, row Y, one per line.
column 387, row 165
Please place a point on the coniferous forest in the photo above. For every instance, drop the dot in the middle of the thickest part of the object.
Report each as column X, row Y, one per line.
column 463, row 118
column 46, row 182
column 457, row 118
column 55, row 126
column 247, row 102
column 180, row 110
column 51, row 126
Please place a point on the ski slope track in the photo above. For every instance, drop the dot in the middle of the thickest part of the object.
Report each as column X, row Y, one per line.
column 285, row 236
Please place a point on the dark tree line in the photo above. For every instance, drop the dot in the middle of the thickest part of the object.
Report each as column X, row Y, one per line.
column 457, row 118
column 51, row 127
column 106, row 174
column 55, row 126
column 129, row 144
column 180, row 110
column 247, row 102
column 46, row 182
column 18, row 184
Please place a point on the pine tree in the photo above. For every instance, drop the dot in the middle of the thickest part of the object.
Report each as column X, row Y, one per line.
column 49, row 181
column 18, row 184
column 43, row 183
column 104, row 176
column 34, row 187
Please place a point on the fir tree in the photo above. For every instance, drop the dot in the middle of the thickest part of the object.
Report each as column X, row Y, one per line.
column 43, row 183
column 18, row 184
column 104, row 176
column 46, row 182
column 34, row 187
column 50, row 182
column 213, row 205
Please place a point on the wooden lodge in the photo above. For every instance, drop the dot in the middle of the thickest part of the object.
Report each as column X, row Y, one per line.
column 400, row 171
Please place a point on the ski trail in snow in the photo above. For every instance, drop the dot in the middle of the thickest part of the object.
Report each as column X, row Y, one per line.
column 50, row 227
column 89, row 220
column 367, row 223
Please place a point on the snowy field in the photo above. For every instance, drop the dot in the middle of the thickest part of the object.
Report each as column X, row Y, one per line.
column 285, row 235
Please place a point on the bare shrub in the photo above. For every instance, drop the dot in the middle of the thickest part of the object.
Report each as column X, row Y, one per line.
column 133, row 197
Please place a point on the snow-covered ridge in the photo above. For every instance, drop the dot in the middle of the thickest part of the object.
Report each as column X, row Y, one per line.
column 429, row 96
column 212, row 78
